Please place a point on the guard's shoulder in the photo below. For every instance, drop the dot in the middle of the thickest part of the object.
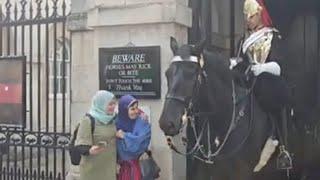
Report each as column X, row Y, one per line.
column 277, row 33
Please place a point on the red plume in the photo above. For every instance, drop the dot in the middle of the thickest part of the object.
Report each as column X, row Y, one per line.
column 266, row 19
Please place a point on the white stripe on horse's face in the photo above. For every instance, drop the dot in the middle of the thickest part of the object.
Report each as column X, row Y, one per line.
column 179, row 59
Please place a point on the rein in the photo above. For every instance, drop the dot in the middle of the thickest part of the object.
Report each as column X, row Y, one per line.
column 191, row 118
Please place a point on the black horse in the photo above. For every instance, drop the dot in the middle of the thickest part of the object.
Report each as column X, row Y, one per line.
column 230, row 128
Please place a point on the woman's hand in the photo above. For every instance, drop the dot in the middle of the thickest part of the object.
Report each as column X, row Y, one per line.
column 95, row 150
column 120, row 134
column 144, row 117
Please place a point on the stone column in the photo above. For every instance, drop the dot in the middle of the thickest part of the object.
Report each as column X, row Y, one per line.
column 118, row 23
column 221, row 23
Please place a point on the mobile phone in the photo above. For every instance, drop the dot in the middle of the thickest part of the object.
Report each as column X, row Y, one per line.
column 102, row 143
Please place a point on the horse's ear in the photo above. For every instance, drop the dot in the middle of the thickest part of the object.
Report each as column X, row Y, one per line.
column 174, row 45
column 198, row 48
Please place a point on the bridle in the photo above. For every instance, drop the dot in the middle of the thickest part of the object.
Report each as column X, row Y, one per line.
column 190, row 117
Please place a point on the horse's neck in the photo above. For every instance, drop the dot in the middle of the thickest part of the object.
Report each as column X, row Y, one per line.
column 219, row 82
column 217, row 95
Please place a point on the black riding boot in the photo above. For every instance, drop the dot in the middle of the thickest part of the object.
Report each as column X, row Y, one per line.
column 284, row 160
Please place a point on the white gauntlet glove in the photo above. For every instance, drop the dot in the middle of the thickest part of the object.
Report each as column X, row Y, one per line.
column 234, row 61
column 270, row 67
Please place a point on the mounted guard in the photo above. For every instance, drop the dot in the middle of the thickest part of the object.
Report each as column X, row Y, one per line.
column 258, row 65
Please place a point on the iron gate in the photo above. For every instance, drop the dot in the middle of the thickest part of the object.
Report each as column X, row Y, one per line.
column 36, row 30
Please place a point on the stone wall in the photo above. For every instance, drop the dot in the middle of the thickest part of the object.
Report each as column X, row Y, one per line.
column 117, row 23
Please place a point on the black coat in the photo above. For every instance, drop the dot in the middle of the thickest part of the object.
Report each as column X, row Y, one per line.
column 271, row 91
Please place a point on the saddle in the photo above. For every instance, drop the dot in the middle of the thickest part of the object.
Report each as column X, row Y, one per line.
column 244, row 99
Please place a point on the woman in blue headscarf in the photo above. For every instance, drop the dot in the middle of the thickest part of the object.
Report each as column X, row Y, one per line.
column 133, row 138
column 96, row 141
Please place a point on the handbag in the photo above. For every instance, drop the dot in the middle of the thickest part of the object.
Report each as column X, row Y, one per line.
column 149, row 168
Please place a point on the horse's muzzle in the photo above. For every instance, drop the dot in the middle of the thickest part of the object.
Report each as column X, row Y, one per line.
column 169, row 128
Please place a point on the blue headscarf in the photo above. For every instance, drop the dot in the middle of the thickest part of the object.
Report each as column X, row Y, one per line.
column 98, row 106
column 138, row 132
column 124, row 122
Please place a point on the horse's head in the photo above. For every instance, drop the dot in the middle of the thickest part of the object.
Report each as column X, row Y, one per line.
column 182, row 78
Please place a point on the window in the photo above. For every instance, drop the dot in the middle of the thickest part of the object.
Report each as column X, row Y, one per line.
column 60, row 64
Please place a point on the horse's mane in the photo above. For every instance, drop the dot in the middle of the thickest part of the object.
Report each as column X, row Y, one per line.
column 219, row 86
column 218, row 64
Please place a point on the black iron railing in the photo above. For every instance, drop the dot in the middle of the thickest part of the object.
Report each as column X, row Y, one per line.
column 36, row 29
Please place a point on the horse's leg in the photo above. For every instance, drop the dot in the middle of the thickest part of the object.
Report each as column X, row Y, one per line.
column 275, row 175
column 200, row 171
column 241, row 170
column 224, row 170
column 221, row 170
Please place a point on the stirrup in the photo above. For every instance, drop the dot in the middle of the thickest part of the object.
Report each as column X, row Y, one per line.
column 284, row 160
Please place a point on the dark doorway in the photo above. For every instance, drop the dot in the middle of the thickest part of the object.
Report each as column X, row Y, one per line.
column 302, row 60
column 301, row 33
column 303, row 57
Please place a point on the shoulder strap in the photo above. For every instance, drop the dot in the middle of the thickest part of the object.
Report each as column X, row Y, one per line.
column 74, row 135
column 75, row 132
column 93, row 122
